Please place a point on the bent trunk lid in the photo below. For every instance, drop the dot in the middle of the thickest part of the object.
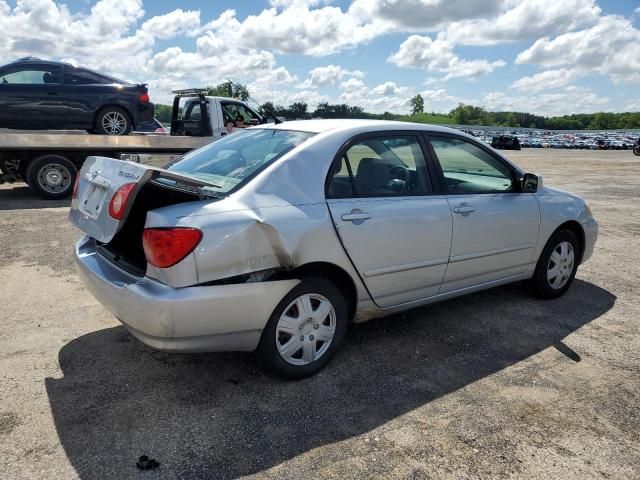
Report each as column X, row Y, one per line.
column 100, row 178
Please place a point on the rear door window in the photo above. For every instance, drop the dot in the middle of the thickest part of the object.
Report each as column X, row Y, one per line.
column 80, row 76
column 388, row 165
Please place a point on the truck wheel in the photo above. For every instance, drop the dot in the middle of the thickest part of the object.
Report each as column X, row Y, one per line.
column 51, row 176
column 305, row 329
column 10, row 166
column 113, row 121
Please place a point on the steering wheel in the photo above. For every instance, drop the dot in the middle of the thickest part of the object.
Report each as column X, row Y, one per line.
column 398, row 179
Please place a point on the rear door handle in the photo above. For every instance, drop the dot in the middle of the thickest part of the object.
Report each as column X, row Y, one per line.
column 52, row 93
column 355, row 216
column 464, row 209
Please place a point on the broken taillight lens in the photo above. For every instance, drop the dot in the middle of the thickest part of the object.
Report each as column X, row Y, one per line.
column 118, row 203
column 164, row 247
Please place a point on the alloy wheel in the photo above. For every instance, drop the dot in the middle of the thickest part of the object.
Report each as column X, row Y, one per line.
column 114, row 123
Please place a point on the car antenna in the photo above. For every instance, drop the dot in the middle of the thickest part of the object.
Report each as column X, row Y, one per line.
column 270, row 113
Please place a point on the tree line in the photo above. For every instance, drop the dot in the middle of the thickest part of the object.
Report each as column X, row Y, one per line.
column 460, row 115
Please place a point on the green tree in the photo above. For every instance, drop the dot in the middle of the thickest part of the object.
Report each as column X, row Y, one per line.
column 298, row 110
column 417, row 104
column 229, row 89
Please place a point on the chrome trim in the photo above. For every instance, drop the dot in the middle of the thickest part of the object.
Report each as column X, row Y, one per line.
column 408, row 266
column 471, row 256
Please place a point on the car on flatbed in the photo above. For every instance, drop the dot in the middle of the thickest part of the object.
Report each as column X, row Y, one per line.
column 38, row 94
column 49, row 162
column 275, row 238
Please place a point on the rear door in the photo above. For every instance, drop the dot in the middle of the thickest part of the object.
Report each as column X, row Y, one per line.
column 495, row 225
column 30, row 97
column 392, row 222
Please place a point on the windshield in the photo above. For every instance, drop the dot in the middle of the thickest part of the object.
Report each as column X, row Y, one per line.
column 227, row 162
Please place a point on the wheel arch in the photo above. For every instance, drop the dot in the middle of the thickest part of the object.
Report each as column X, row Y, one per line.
column 334, row 274
column 112, row 104
column 574, row 227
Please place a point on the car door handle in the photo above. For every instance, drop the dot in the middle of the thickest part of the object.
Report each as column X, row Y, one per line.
column 52, row 93
column 464, row 209
column 355, row 216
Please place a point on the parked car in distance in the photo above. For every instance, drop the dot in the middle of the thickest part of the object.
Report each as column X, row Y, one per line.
column 37, row 94
column 505, row 142
column 276, row 237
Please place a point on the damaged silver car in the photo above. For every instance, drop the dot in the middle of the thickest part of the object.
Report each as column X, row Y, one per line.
column 276, row 237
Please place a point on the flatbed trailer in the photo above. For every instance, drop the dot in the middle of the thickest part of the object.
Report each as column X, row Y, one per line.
column 49, row 162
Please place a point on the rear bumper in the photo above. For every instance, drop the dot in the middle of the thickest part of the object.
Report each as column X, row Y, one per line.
column 143, row 113
column 590, row 236
column 190, row 319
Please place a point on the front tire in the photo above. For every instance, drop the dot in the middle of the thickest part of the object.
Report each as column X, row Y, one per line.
column 113, row 121
column 557, row 265
column 304, row 330
column 51, row 176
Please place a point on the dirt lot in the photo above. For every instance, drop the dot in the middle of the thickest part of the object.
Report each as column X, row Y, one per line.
column 493, row 385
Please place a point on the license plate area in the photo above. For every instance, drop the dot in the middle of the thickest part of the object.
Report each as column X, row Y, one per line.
column 94, row 197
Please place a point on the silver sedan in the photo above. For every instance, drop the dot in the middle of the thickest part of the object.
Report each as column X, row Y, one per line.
column 276, row 237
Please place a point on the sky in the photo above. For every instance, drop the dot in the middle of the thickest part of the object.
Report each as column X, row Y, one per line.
column 548, row 57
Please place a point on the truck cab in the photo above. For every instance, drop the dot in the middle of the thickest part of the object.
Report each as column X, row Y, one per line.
column 199, row 115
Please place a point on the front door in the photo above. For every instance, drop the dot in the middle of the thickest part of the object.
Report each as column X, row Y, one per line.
column 396, row 231
column 30, row 97
column 495, row 226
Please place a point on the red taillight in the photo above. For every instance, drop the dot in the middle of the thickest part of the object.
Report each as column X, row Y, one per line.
column 118, row 203
column 164, row 247
column 144, row 98
column 76, row 182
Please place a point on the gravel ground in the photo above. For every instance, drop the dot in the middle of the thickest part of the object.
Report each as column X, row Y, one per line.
column 493, row 385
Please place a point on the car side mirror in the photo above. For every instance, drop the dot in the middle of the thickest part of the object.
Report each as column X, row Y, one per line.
column 530, row 183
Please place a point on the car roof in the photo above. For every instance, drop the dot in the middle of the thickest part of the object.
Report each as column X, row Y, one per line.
column 326, row 125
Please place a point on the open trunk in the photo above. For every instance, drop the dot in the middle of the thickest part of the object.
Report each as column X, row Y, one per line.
column 120, row 239
column 125, row 248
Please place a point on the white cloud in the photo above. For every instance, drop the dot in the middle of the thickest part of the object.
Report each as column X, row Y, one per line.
column 329, row 75
column 634, row 105
column 422, row 15
column 438, row 56
column 524, row 20
column 387, row 88
column 610, row 47
column 172, row 24
column 546, row 80
column 571, row 99
column 352, row 84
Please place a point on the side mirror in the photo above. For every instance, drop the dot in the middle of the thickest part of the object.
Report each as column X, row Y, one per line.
column 530, row 183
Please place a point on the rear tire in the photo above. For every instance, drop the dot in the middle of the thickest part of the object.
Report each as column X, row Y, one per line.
column 305, row 330
column 113, row 121
column 51, row 176
column 557, row 265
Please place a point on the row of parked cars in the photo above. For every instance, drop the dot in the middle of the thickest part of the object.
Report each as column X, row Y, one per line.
column 514, row 140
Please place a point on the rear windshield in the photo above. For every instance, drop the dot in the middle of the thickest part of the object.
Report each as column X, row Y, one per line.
column 227, row 162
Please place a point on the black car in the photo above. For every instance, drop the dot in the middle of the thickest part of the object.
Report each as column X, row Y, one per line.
column 505, row 142
column 38, row 95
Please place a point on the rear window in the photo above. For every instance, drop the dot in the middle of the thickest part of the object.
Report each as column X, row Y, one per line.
column 233, row 159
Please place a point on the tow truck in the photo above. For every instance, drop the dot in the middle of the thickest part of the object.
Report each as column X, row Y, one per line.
column 49, row 162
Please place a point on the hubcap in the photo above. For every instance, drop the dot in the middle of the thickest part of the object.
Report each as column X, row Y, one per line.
column 54, row 178
column 305, row 329
column 560, row 265
column 114, row 123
